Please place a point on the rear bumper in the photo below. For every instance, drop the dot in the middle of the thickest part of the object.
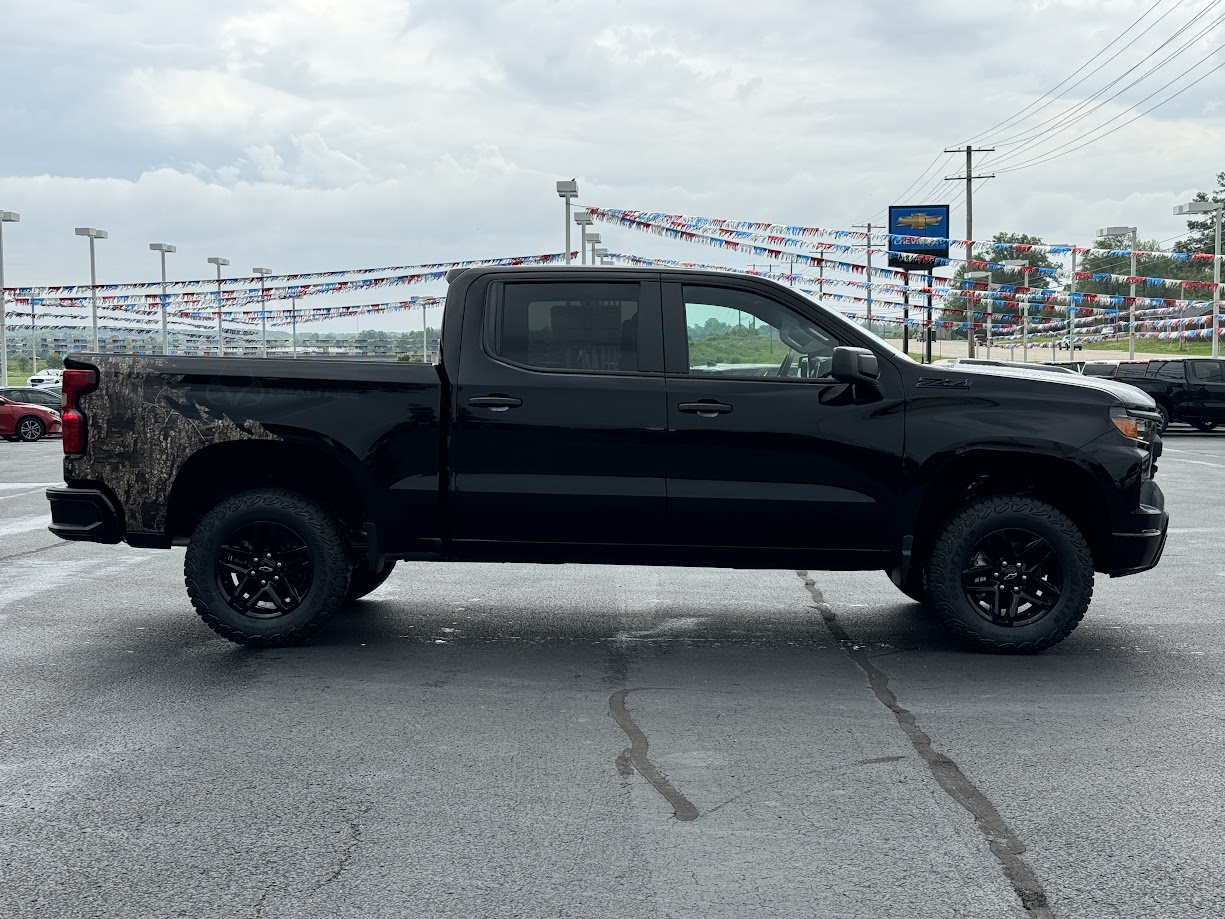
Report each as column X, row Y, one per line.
column 83, row 514
column 1139, row 547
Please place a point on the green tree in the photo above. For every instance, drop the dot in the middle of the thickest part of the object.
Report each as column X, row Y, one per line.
column 1203, row 232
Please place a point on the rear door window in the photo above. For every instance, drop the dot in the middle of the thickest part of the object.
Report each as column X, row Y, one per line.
column 567, row 326
column 1169, row 371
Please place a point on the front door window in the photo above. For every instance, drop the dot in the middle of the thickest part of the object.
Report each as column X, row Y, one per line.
column 737, row 334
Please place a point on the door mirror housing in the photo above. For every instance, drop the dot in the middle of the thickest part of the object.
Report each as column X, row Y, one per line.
column 855, row 365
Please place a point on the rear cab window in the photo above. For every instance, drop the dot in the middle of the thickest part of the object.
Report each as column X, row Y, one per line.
column 583, row 327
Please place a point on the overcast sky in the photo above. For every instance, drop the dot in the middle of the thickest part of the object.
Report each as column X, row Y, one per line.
column 305, row 135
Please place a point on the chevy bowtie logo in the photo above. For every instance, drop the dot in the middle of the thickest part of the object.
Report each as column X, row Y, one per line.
column 918, row 221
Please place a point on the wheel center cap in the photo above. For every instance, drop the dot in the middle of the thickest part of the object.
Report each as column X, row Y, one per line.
column 266, row 568
column 1010, row 575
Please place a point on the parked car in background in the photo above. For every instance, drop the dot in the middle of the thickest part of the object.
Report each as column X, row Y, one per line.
column 46, row 396
column 1188, row 389
column 1062, row 345
column 47, row 377
column 1019, row 365
column 22, row 421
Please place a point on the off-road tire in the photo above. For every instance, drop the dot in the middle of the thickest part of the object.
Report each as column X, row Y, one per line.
column 315, row 527
column 1204, row 426
column 29, row 429
column 952, row 553
column 362, row 582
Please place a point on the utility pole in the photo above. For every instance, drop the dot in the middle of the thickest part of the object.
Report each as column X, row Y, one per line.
column 969, row 178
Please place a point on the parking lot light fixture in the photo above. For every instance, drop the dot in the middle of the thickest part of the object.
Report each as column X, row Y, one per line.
column 5, row 217
column 568, row 189
column 1210, row 207
column 1131, row 313
column 600, row 252
column 583, row 219
column 982, row 276
column 93, row 233
column 593, row 240
column 220, row 263
column 163, row 248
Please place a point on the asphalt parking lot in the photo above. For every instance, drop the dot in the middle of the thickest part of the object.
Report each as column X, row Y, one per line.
column 532, row 741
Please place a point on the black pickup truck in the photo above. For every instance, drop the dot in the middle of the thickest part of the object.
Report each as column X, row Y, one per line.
column 1188, row 389
column 601, row 415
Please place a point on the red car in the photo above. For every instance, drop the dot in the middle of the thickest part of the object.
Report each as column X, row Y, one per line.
column 25, row 421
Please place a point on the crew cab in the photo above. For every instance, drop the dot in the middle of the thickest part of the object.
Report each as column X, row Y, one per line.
column 589, row 415
column 1190, row 389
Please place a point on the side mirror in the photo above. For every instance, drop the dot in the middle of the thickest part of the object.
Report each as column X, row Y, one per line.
column 3, row 401
column 855, row 365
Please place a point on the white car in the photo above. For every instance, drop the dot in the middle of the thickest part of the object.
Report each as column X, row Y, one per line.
column 46, row 377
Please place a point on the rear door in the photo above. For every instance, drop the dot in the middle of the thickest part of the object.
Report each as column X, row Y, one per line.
column 559, row 412
column 765, row 449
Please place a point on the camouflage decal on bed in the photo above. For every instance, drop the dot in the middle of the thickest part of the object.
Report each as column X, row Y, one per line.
column 143, row 423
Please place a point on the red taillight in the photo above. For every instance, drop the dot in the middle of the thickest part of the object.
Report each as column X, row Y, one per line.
column 75, row 383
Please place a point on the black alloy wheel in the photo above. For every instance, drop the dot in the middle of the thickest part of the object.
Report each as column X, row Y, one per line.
column 30, row 429
column 1013, row 578
column 267, row 567
column 264, row 570
column 1009, row 574
column 1165, row 419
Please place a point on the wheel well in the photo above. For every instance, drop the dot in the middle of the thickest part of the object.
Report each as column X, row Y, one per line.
column 1063, row 485
column 216, row 472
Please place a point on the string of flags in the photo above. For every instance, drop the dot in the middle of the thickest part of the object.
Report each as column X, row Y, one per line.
column 683, row 221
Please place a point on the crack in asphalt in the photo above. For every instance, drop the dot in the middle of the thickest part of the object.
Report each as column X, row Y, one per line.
column 355, row 838
column 634, row 757
column 1004, row 844
column 54, row 545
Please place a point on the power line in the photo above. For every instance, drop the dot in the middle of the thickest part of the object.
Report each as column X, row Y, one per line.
column 1102, row 51
column 1044, row 158
column 1069, row 118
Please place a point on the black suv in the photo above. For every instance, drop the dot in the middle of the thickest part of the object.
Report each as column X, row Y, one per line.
column 1187, row 389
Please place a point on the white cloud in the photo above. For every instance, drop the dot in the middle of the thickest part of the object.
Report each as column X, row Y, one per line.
column 311, row 134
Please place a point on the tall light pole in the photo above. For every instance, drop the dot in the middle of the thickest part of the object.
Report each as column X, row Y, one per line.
column 263, row 308
column 567, row 190
column 583, row 219
column 1131, row 316
column 5, row 217
column 1206, row 207
column 93, row 234
column 163, row 248
column 593, row 240
column 976, row 276
column 1022, row 263
column 219, row 262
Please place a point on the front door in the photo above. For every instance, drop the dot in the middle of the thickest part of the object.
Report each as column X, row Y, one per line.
column 765, row 449
column 559, row 414
column 1205, row 391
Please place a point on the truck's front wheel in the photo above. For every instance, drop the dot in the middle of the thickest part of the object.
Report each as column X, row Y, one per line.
column 1010, row 575
column 266, row 567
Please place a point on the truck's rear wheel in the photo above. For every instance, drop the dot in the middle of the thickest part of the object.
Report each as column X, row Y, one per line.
column 362, row 582
column 266, row 567
column 1010, row 575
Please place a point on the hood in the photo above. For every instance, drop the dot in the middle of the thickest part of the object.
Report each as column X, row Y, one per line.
column 1128, row 395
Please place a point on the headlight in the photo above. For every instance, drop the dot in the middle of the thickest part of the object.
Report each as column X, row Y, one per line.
column 1132, row 424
